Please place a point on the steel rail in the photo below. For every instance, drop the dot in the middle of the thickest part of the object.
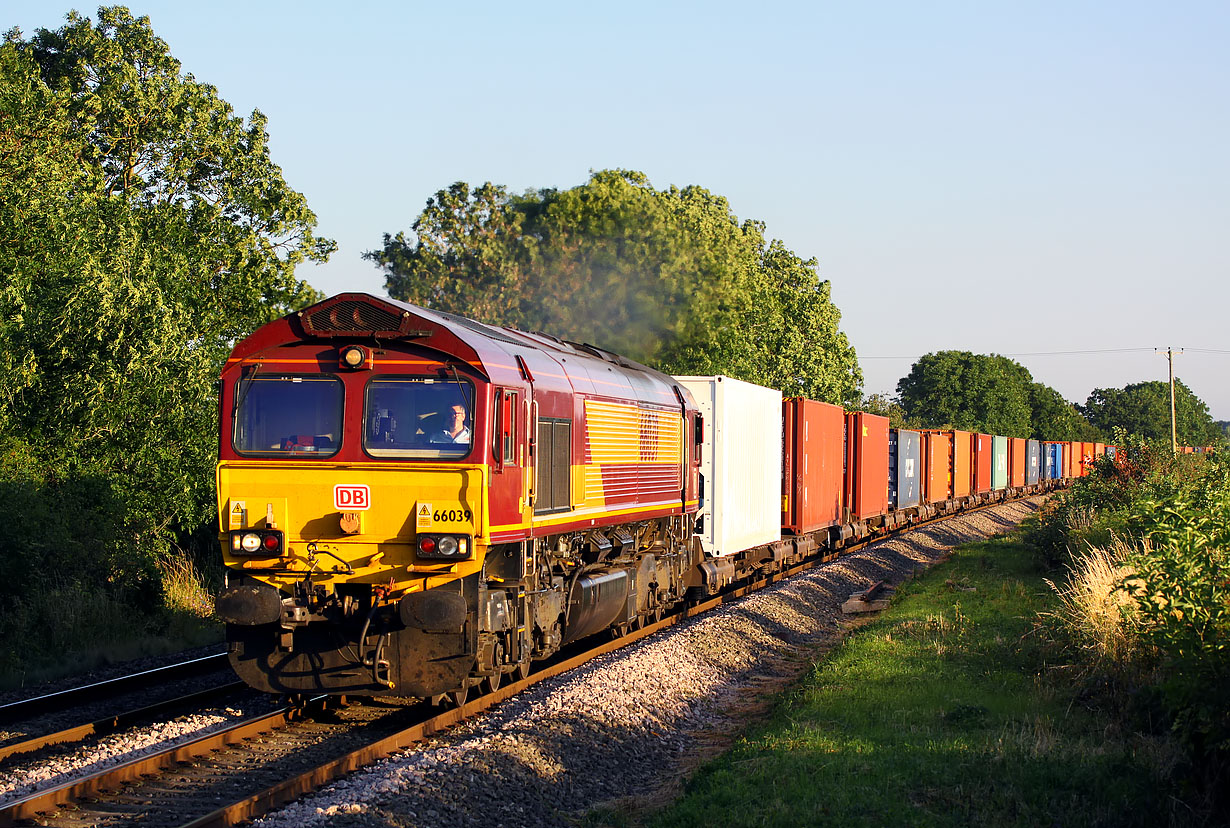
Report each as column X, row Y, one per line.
column 111, row 724
column 44, row 801
column 62, row 699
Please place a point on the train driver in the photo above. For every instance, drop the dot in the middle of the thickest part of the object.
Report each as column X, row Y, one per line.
column 455, row 429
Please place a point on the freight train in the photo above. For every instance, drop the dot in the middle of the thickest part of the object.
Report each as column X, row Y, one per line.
column 415, row 503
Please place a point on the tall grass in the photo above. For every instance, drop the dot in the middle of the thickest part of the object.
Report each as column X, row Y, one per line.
column 1096, row 608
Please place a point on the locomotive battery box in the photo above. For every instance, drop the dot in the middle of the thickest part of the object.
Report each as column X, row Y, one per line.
column 741, row 463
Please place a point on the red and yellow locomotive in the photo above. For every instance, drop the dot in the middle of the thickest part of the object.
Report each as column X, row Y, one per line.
column 413, row 502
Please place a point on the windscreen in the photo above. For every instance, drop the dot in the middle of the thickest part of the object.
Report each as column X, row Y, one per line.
column 287, row 415
column 418, row 417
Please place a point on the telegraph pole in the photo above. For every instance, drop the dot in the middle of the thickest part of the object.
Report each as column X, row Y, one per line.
column 1170, row 355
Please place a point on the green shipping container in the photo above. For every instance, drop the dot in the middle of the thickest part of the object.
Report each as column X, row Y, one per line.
column 999, row 462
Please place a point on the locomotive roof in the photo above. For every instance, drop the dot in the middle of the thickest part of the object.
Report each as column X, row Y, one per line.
column 350, row 317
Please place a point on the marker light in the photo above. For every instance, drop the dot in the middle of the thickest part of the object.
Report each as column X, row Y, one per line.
column 353, row 356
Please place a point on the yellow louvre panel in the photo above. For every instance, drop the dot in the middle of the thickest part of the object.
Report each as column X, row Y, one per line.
column 614, row 432
column 660, row 439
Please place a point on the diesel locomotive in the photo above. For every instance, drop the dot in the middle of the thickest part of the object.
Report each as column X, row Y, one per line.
column 414, row 503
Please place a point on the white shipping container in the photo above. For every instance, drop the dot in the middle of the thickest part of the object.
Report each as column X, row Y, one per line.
column 741, row 461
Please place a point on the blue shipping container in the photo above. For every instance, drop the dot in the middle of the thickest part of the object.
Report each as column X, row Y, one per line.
column 1054, row 461
column 904, row 468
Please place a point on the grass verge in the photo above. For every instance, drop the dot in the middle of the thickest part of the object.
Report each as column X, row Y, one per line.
column 942, row 712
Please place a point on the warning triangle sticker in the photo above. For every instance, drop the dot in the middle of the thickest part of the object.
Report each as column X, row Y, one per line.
column 238, row 508
column 424, row 509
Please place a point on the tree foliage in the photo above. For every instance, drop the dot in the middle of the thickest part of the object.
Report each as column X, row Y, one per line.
column 668, row 277
column 1144, row 408
column 987, row 393
column 143, row 227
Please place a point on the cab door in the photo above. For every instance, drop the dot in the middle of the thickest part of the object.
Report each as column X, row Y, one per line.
column 510, row 463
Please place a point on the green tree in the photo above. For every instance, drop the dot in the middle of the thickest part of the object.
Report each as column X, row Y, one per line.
column 668, row 277
column 988, row 393
column 143, row 227
column 974, row 392
column 1054, row 418
column 1143, row 408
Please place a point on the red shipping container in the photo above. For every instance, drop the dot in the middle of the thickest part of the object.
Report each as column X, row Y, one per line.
column 983, row 454
column 812, row 458
column 866, row 465
column 937, row 466
column 1016, row 461
column 962, row 463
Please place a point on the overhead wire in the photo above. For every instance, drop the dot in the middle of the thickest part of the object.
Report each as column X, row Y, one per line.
column 1046, row 353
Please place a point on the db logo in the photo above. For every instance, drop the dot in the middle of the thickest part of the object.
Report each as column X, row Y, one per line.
column 352, row 498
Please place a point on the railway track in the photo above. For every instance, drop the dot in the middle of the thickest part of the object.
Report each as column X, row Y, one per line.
column 74, row 697
column 263, row 762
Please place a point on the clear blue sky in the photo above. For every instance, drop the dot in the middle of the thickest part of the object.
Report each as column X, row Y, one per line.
column 994, row 177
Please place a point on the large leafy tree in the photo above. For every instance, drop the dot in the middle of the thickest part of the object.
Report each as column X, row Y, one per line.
column 1143, row 408
column 988, row 393
column 669, row 277
column 143, row 227
column 978, row 392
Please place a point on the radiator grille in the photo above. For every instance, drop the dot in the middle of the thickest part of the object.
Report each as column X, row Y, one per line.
column 352, row 317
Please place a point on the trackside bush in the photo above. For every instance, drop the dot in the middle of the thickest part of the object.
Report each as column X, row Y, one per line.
column 1181, row 587
column 1145, row 540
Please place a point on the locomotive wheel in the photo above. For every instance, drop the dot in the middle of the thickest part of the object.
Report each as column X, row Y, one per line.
column 453, row 698
column 522, row 670
column 491, row 683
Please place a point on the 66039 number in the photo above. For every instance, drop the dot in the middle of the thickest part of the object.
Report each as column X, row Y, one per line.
column 453, row 515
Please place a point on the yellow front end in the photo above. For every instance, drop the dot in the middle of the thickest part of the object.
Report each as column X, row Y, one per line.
column 364, row 518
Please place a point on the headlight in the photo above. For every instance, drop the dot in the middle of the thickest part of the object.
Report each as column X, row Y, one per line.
column 251, row 542
column 444, row 547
